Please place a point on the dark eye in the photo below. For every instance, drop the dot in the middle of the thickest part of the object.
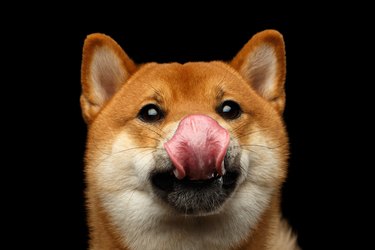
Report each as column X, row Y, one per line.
column 150, row 113
column 229, row 110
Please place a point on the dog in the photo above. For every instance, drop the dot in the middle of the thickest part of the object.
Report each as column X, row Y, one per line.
column 186, row 156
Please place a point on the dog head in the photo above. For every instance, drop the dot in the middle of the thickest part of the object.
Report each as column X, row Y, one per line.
column 201, row 140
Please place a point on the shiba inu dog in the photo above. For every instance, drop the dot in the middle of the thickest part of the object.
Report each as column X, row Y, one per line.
column 186, row 156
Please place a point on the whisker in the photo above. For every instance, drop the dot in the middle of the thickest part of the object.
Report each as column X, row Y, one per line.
column 145, row 136
column 262, row 146
column 99, row 149
column 147, row 163
column 249, row 133
column 122, row 151
column 249, row 150
column 125, row 150
column 240, row 127
column 131, row 195
column 160, row 134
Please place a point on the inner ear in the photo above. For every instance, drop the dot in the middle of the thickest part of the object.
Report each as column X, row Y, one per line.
column 105, row 68
column 262, row 64
column 261, row 70
column 107, row 73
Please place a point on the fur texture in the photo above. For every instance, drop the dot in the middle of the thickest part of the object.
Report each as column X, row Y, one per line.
column 123, row 151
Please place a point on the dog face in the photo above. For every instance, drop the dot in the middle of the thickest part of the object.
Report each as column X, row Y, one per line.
column 171, row 145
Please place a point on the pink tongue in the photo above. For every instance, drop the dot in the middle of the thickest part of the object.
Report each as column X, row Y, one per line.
column 198, row 147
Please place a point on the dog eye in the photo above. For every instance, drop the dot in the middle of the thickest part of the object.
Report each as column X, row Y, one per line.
column 229, row 110
column 150, row 113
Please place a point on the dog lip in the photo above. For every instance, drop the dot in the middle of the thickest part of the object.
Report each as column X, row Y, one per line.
column 172, row 175
column 213, row 175
column 189, row 181
column 194, row 197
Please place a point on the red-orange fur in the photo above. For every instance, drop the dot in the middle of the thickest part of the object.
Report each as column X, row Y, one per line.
column 181, row 90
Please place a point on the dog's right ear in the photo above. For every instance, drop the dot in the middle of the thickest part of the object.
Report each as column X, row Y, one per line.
column 262, row 63
column 105, row 67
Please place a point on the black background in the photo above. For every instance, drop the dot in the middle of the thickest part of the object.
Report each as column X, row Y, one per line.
column 320, row 198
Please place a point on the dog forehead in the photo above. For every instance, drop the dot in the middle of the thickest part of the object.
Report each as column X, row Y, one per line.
column 181, row 79
column 193, row 87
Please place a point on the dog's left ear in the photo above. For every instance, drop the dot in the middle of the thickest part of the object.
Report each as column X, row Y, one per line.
column 262, row 63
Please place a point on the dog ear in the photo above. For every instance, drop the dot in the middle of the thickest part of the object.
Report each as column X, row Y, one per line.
column 262, row 63
column 105, row 67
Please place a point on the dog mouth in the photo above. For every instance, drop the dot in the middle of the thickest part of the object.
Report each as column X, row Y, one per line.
column 201, row 174
column 194, row 197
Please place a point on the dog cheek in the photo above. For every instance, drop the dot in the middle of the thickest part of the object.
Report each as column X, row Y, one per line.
column 264, row 161
column 126, row 166
column 264, row 169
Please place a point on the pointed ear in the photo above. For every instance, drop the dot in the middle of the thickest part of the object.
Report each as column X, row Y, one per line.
column 105, row 67
column 262, row 63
